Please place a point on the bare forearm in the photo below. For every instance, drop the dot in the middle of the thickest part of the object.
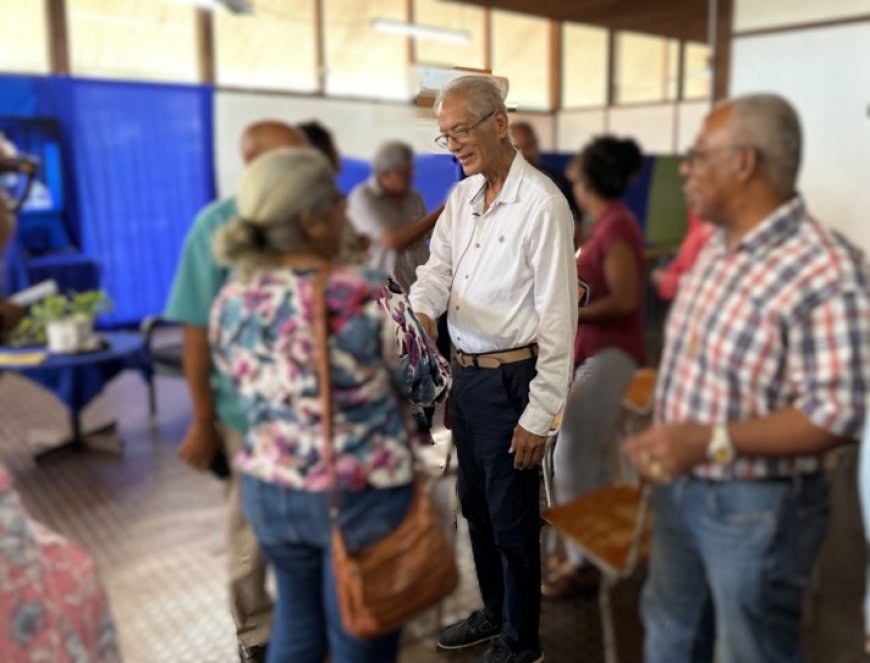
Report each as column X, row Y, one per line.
column 786, row 432
column 403, row 236
column 606, row 308
column 197, row 372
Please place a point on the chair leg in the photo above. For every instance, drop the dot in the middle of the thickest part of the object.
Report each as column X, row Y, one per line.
column 152, row 399
column 608, row 631
column 547, row 469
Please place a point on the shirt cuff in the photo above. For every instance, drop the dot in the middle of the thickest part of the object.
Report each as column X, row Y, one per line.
column 536, row 421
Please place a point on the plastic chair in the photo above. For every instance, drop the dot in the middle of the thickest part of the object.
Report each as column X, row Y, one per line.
column 611, row 525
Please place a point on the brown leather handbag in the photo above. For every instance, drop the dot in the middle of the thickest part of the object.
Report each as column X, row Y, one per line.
column 407, row 572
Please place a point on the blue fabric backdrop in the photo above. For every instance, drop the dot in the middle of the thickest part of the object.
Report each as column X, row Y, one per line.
column 139, row 165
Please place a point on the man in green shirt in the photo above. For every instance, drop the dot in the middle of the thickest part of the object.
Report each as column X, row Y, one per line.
column 217, row 415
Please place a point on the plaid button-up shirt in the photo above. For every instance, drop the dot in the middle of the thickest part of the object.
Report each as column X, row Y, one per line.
column 782, row 319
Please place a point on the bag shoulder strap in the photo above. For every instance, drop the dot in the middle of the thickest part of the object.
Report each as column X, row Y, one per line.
column 324, row 383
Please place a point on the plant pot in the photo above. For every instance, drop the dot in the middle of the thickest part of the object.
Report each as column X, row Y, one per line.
column 85, row 330
column 69, row 334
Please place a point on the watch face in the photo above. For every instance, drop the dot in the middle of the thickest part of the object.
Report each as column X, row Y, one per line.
column 722, row 455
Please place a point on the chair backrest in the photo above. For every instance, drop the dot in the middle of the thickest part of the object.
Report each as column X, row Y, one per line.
column 638, row 398
column 636, row 414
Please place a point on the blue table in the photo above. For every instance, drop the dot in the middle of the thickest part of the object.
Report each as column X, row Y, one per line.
column 77, row 379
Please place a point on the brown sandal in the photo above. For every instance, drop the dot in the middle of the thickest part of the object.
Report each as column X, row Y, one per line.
column 570, row 582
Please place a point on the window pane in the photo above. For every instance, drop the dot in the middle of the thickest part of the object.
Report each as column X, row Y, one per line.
column 468, row 19
column 139, row 39
column 646, row 68
column 23, row 36
column 696, row 71
column 584, row 66
column 520, row 51
column 362, row 61
column 273, row 48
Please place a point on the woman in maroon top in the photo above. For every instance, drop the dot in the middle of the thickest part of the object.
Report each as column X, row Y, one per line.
column 609, row 344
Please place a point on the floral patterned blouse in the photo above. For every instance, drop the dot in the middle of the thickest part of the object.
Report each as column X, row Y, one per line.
column 262, row 336
column 52, row 606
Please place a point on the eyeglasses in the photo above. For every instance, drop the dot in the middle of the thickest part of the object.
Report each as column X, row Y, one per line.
column 461, row 134
column 696, row 155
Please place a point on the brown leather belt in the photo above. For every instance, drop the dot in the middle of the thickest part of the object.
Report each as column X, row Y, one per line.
column 496, row 359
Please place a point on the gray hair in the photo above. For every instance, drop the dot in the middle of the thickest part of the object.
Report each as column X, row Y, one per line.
column 481, row 95
column 770, row 124
column 391, row 156
column 274, row 192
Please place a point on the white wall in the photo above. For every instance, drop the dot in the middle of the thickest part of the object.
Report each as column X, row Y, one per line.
column 691, row 116
column 651, row 126
column 755, row 14
column 357, row 126
column 660, row 129
column 576, row 128
column 825, row 73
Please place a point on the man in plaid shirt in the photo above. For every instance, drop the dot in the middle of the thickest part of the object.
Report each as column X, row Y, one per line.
column 766, row 362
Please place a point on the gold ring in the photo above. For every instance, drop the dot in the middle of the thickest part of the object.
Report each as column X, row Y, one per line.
column 657, row 472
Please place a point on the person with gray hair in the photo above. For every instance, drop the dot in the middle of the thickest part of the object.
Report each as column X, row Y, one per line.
column 387, row 211
column 765, row 365
column 502, row 267
column 284, row 247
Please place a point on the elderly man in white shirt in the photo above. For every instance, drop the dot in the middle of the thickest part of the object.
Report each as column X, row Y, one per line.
column 502, row 267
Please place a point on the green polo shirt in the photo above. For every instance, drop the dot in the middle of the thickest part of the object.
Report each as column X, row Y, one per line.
column 198, row 280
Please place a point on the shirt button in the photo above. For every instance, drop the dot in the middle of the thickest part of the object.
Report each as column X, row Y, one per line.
column 477, row 245
column 466, row 276
column 457, row 307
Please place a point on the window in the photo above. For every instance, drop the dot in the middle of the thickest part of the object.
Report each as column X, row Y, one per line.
column 584, row 66
column 361, row 61
column 697, row 71
column 646, row 68
column 458, row 17
column 521, row 52
column 133, row 39
column 274, row 48
column 23, row 37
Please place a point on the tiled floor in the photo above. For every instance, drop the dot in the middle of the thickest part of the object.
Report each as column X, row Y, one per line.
column 155, row 529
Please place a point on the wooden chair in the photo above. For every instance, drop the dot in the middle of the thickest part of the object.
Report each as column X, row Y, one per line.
column 611, row 525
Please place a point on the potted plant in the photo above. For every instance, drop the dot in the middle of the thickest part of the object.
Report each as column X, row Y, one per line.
column 85, row 306
column 69, row 321
column 61, row 331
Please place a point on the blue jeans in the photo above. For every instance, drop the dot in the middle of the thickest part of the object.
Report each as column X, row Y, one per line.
column 499, row 502
column 728, row 568
column 293, row 529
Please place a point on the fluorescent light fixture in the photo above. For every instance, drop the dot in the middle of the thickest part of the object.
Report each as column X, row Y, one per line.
column 234, row 6
column 420, row 31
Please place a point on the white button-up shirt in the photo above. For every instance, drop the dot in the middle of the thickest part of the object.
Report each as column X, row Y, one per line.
column 506, row 278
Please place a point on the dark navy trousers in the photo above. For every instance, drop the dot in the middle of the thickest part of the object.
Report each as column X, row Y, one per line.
column 500, row 503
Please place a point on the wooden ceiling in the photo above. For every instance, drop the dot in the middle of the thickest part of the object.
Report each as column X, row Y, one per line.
column 678, row 19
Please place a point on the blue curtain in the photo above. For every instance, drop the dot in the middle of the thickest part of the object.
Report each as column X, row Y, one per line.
column 144, row 168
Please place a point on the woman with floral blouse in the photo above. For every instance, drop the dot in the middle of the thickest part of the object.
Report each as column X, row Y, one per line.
column 262, row 334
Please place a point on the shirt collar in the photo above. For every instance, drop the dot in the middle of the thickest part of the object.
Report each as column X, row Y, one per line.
column 509, row 193
column 777, row 225
column 373, row 186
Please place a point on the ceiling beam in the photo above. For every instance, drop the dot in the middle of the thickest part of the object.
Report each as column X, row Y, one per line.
column 676, row 19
